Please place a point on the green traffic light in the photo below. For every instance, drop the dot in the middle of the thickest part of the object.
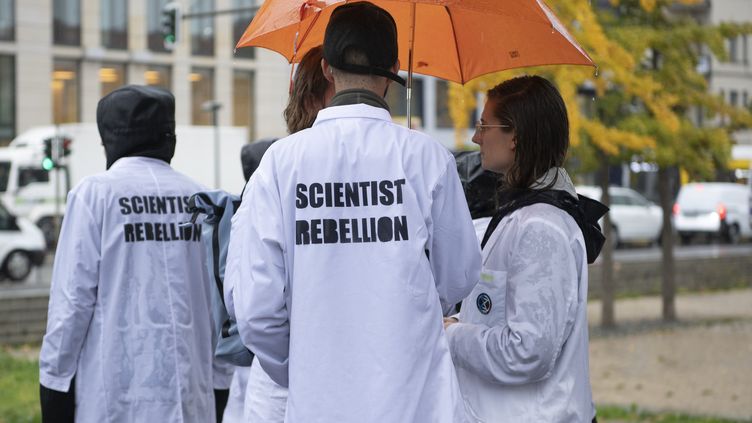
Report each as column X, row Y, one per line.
column 48, row 164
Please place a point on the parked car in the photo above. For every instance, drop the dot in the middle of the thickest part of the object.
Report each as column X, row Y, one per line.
column 22, row 246
column 634, row 218
column 718, row 210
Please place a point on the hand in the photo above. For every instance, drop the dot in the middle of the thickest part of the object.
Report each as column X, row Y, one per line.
column 448, row 321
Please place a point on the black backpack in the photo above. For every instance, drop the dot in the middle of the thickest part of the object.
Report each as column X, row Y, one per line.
column 585, row 211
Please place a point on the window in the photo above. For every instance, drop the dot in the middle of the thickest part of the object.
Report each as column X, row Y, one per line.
column 396, row 97
column 733, row 98
column 244, row 101
column 29, row 175
column 155, row 41
column 238, row 28
column 732, row 44
column 112, row 76
column 114, row 24
column 159, row 76
column 202, row 29
column 745, row 49
column 4, row 176
column 745, row 99
column 66, row 22
column 202, row 90
column 619, row 200
column 7, row 220
column 7, row 20
column 7, row 98
column 65, row 91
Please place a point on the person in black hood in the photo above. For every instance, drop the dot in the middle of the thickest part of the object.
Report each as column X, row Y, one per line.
column 129, row 334
column 137, row 120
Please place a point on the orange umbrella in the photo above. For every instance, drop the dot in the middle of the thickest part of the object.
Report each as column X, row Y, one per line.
column 456, row 40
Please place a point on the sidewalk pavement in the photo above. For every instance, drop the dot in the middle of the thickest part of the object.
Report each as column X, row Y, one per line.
column 701, row 365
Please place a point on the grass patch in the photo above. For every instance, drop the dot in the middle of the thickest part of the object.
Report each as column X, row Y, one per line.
column 608, row 414
column 19, row 397
column 19, row 389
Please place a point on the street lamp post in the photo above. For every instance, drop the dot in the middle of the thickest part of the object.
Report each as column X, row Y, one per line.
column 213, row 107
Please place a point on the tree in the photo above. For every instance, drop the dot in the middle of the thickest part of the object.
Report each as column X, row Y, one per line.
column 646, row 86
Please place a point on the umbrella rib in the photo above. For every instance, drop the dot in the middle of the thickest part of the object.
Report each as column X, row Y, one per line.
column 456, row 47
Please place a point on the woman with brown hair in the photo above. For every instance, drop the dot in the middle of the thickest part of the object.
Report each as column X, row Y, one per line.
column 520, row 344
column 310, row 92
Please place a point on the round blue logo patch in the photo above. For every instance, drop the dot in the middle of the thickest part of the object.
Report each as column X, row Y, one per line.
column 484, row 303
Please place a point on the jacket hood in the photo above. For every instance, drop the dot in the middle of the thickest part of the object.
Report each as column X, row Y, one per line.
column 137, row 120
column 250, row 155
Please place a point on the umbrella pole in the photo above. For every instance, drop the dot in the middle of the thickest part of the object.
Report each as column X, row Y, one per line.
column 410, row 70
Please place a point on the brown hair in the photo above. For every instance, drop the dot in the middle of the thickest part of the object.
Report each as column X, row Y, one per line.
column 535, row 111
column 308, row 89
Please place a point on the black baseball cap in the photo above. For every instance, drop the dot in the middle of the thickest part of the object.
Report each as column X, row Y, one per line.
column 367, row 28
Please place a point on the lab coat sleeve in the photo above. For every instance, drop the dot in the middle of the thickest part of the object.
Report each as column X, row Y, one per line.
column 261, row 280
column 73, row 294
column 454, row 251
column 540, row 307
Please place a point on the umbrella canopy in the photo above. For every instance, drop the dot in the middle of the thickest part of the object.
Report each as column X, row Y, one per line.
column 449, row 39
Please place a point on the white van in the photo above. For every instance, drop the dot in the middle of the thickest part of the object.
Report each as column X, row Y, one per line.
column 715, row 209
column 22, row 246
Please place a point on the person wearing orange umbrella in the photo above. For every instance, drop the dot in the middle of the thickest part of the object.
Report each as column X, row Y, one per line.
column 521, row 341
column 353, row 238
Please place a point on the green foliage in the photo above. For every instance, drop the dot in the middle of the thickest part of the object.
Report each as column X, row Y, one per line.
column 633, row 414
column 19, row 390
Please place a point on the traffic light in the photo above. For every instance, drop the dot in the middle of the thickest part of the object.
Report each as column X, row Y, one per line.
column 65, row 147
column 170, row 24
column 48, row 162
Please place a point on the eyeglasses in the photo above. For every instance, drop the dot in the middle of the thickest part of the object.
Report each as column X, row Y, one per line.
column 480, row 127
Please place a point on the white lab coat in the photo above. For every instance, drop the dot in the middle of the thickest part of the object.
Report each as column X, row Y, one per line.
column 129, row 309
column 355, row 327
column 521, row 347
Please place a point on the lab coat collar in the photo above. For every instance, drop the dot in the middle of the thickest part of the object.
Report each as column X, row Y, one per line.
column 361, row 111
column 126, row 161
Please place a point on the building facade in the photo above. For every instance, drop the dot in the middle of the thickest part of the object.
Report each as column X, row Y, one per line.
column 59, row 57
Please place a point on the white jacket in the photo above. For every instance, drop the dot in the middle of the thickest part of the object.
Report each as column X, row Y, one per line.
column 129, row 301
column 335, row 293
column 521, row 347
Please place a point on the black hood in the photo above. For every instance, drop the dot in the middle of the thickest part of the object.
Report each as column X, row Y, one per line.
column 250, row 156
column 480, row 186
column 137, row 120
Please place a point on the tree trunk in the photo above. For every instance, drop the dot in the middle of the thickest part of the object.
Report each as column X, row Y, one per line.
column 607, row 253
column 668, row 287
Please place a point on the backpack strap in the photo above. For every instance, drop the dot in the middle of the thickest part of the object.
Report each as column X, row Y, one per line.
column 585, row 211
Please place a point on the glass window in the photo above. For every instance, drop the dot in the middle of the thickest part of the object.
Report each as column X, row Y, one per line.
column 240, row 23
column 202, row 29
column 29, row 175
column 202, row 90
column 244, row 101
column 732, row 50
column 66, row 81
column 7, row 98
column 114, row 24
column 159, row 76
column 733, row 98
column 4, row 176
column 396, row 97
column 155, row 41
column 619, row 200
column 66, row 22
column 7, row 220
column 7, row 20
column 112, row 76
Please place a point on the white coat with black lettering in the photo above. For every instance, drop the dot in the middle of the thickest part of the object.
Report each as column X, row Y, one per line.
column 521, row 346
column 355, row 326
column 129, row 302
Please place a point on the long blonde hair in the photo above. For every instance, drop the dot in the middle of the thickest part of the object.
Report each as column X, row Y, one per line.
column 308, row 90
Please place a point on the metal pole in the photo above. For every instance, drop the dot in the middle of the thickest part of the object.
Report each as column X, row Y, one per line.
column 410, row 70
column 219, row 12
column 215, row 117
